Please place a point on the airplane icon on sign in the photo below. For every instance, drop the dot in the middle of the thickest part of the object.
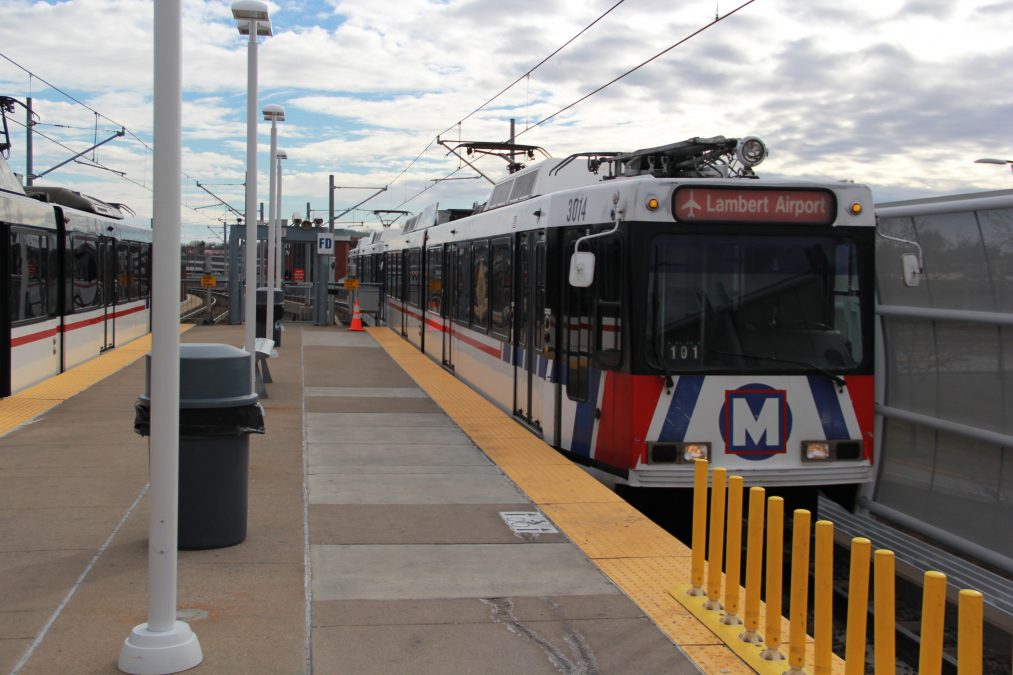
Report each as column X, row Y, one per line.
column 691, row 205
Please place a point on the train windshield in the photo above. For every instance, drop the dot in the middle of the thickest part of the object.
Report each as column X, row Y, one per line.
column 755, row 303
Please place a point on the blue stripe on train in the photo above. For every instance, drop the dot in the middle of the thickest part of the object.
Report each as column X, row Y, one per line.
column 583, row 419
column 680, row 409
column 829, row 407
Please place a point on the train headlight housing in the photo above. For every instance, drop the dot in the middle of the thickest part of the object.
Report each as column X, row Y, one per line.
column 816, row 451
column 751, row 151
column 695, row 451
column 673, row 452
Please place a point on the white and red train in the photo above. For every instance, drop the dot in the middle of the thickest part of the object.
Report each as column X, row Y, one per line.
column 76, row 281
column 708, row 313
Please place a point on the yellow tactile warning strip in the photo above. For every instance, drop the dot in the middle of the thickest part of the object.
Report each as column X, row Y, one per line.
column 645, row 562
column 29, row 403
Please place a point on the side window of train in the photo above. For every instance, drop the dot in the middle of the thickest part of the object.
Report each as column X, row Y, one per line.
column 480, row 286
column 609, row 287
column 576, row 332
column 122, row 271
column 84, row 290
column 434, row 279
column 462, row 306
column 143, row 270
column 502, row 287
column 34, row 275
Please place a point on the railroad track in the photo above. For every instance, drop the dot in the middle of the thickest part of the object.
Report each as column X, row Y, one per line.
column 219, row 310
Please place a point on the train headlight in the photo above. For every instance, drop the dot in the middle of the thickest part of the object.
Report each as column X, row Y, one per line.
column 668, row 452
column 694, row 451
column 816, row 451
column 855, row 209
column 751, row 151
column 652, row 204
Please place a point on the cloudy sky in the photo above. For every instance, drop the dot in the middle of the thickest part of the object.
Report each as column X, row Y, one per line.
column 902, row 95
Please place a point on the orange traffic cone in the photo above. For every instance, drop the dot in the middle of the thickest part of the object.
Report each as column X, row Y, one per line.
column 356, row 324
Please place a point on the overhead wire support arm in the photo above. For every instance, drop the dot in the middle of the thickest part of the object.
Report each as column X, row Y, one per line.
column 220, row 200
column 121, row 132
column 351, row 208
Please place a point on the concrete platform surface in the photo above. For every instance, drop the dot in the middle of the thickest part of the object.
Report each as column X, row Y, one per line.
column 375, row 540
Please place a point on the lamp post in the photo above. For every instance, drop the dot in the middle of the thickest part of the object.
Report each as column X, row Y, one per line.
column 252, row 19
column 279, row 155
column 273, row 114
column 992, row 160
column 164, row 644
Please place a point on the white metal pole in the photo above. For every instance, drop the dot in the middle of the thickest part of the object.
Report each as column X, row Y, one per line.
column 250, row 303
column 272, row 211
column 278, row 248
column 163, row 644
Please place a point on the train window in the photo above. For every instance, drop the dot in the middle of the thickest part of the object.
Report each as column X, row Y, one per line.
column 84, row 290
column 462, row 308
column 415, row 277
column 434, row 279
column 502, row 287
column 609, row 325
column 34, row 270
column 480, row 286
column 143, row 270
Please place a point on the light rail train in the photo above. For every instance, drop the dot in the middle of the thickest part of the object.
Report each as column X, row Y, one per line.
column 76, row 281
column 639, row 310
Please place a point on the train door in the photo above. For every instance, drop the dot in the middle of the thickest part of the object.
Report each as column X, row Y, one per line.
column 107, row 264
column 529, row 339
column 402, row 287
column 5, row 313
column 449, row 303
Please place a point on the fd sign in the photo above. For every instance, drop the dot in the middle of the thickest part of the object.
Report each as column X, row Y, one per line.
column 754, row 205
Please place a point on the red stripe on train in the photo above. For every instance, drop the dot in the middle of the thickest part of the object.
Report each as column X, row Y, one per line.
column 49, row 332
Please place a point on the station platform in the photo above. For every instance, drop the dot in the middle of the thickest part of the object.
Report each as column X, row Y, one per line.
column 394, row 527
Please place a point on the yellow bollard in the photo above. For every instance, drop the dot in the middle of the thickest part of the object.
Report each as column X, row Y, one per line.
column 798, row 610
column 775, row 559
column 858, row 606
column 883, row 605
column 733, row 552
column 930, row 651
column 969, row 632
column 699, row 526
column 754, row 565
column 823, row 591
column 715, row 555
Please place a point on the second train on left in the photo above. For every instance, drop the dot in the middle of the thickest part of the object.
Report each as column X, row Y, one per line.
column 76, row 281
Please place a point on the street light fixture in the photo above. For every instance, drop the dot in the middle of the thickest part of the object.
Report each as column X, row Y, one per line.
column 992, row 160
column 272, row 113
column 251, row 15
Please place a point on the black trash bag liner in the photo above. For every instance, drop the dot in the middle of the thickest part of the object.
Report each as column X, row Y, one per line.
column 207, row 422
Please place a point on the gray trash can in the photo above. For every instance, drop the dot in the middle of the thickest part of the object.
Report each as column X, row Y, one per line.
column 279, row 310
column 217, row 413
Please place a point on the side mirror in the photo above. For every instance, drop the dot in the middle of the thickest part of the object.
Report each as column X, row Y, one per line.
column 912, row 269
column 581, row 269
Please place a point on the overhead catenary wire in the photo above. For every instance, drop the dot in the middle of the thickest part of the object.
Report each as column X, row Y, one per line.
column 717, row 19
column 34, row 76
column 525, row 76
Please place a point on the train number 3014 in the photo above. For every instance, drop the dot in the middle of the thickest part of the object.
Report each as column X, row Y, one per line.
column 576, row 209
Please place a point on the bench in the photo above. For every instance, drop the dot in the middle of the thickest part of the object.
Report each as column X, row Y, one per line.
column 262, row 349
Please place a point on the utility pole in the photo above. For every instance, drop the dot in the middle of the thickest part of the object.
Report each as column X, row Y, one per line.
column 29, row 170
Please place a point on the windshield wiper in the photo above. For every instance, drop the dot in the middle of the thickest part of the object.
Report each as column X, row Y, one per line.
column 837, row 379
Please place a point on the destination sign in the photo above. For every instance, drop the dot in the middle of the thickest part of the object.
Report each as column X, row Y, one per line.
column 754, row 205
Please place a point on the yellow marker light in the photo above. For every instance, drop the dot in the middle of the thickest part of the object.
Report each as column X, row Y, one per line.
column 855, row 209
column 816, row 450
column 694, row 451
column 652, row 204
